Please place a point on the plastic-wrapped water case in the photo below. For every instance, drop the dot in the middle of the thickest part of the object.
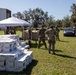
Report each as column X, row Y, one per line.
column 14, row 53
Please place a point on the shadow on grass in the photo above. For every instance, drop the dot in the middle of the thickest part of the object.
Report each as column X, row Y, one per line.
column 34, row 45
column 21, row 38
column 70, row 36
column 43, row 48
column 63, row 41
column 65, row 56
column 58, row 50
column 29, row 68
column 26, row 71
column 51, row 50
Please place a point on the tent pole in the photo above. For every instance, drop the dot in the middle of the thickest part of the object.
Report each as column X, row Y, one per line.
column 30, row 36
column 5, row 28
column 23, row 32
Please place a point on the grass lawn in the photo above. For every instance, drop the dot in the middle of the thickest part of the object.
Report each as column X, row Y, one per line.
column 63, row 63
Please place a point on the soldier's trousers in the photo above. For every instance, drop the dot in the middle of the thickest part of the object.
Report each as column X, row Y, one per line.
column 51, row 46
column 57, row 37
column 43, row 40
column 75, row 32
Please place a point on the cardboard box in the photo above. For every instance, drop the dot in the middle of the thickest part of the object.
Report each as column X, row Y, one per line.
column 11, row 56
column 1, row 63
column 9, row 68
column 2, row 57
column 18, row 69
column 9, row 63
column 2, row 68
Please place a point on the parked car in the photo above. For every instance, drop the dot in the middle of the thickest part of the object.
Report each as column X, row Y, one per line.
column 68, row 31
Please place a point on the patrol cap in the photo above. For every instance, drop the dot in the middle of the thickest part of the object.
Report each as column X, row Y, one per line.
column 56, row 27
column 51, row 26
column 42, row 26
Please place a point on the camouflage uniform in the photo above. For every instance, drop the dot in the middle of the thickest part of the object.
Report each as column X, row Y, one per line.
column 41, row 37
column 51, row 39
column 57, row 33
column 29, row 39
column 74, row 28
column 7, row 30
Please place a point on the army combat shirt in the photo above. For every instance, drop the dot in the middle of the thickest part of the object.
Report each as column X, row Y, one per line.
column 50, row 33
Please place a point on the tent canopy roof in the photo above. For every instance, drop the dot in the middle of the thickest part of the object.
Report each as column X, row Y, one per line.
column 12, row 21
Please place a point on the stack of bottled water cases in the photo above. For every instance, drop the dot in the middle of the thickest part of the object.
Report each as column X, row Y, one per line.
column 14, row 53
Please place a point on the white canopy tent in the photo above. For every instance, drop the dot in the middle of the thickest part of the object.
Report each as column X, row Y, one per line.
column 12, row 21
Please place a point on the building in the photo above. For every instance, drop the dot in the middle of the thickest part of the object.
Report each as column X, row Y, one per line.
column 4, row 14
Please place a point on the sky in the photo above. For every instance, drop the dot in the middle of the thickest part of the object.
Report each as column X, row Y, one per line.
column 57, row 8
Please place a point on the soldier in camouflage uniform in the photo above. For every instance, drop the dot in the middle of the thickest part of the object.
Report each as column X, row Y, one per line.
column 51, row 39
column 57, row 33
column 42, row 37
column 74, row 28
column 7, row 30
